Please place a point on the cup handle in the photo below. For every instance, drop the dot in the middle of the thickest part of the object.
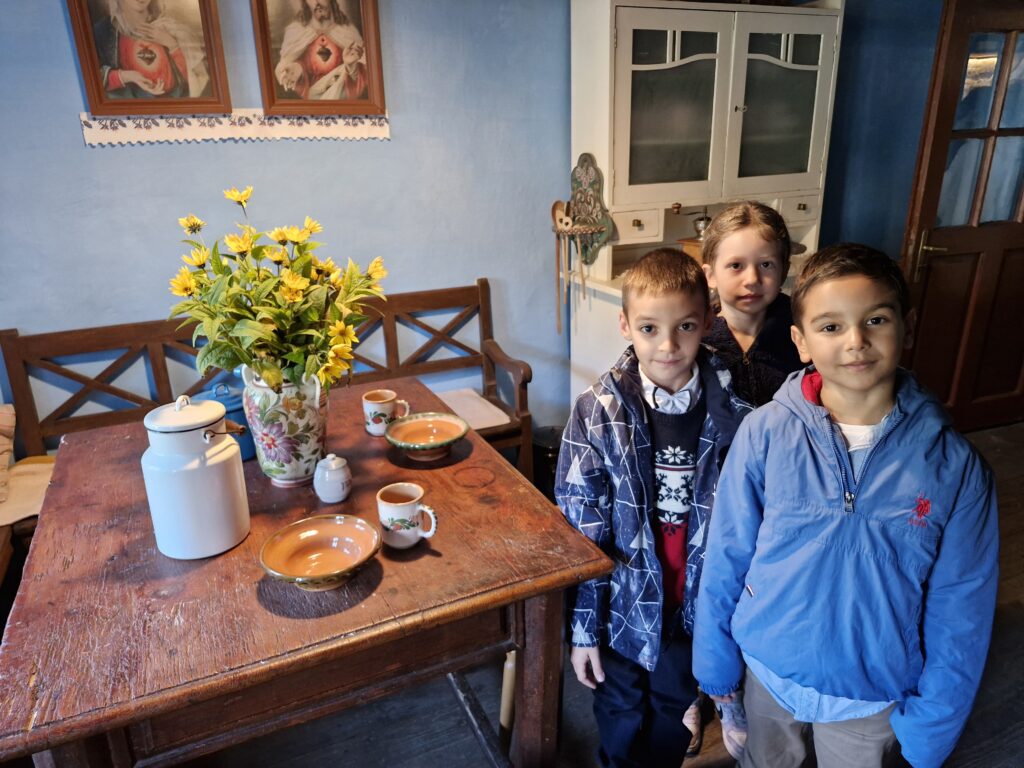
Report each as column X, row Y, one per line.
column 429, row 512
column 404, row 404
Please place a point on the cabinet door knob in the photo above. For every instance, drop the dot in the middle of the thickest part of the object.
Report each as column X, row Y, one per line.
column 677, row 207
column 801, row 206
column 740, row 108
column 637, row 223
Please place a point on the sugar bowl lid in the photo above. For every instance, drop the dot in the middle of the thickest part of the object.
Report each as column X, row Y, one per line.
column 183, row 415
column 330, row 461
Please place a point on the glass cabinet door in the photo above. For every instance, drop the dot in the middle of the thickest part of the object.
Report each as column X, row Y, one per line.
column 780, row 87
column 671, row 76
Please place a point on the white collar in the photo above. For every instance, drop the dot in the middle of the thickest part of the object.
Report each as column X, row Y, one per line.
column 678, row 402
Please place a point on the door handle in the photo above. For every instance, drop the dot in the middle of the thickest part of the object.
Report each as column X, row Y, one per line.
column 923, row 249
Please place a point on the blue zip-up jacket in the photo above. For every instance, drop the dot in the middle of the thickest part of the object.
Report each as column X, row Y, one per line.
column 605, row 487
column 879, row 590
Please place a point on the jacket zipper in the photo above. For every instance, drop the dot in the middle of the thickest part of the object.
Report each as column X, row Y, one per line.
column 850, row 496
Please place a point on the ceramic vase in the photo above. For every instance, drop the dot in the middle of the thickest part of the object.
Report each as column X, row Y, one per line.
column 288, row 427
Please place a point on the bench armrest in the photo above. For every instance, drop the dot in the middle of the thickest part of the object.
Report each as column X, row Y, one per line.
column 519, row 370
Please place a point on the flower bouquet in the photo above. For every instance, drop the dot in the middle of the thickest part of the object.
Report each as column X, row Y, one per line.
column 269, row 303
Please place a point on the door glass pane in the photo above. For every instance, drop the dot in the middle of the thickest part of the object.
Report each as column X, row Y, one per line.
column 806, row 49
column 980, row 74
column 958, row 182
column 767, row 43
column 1013, row 106
column 651, row 46
column 670, row 123
column 777, row 125
column 1004, row 179
column 694, row 43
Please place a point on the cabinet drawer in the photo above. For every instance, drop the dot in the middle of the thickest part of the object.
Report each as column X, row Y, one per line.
column 638, row 226
column 799, row 208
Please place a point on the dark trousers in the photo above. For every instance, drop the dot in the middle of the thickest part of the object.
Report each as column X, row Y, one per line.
column 639, row 713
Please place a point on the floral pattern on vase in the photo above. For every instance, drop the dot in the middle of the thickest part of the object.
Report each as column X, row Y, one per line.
column 288, row 427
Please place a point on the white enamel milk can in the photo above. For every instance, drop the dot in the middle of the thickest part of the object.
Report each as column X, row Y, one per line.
column 194, row 481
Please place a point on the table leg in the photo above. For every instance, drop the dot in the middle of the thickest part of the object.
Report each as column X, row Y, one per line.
column 538, row 678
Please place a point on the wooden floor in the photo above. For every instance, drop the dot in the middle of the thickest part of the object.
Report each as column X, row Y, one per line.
column 424, row 727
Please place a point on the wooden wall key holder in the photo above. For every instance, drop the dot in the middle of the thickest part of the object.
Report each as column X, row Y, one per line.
column 583, row 220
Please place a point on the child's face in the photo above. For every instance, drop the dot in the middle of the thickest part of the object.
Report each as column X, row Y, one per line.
column 853, row 332
column 746, row 271
column 666, row 332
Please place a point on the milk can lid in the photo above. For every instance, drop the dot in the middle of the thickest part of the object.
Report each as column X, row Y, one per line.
column 184, row 415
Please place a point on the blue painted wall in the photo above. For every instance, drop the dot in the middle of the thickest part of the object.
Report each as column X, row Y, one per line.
column 478, row 96
column 885, row 63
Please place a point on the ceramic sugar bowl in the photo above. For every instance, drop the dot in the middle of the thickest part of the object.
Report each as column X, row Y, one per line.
column 332, row 479
column 194, row 480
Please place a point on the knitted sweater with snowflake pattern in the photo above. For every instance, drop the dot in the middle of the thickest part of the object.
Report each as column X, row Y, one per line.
column 604, row 485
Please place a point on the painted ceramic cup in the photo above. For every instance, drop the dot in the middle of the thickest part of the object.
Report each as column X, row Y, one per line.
column 379, row 410
column 401, row 515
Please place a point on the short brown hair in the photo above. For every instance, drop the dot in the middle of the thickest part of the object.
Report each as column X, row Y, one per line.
column 663, row 271
column 767, row 222
column 848, row 260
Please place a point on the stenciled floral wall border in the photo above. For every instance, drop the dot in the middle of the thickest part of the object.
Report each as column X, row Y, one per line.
column 240, row 125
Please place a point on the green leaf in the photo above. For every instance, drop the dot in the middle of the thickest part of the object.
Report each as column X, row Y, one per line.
column 312, row 365
column 318, row 296
column 216, row 263
column 298, row 357
column 270, row 373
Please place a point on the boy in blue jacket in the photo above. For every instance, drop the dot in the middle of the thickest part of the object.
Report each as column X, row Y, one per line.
column 637, row 473
column 852, row 564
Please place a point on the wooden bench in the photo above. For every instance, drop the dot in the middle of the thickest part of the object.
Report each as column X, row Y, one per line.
column 435, row 324
column 44, row 357
column 432, row 321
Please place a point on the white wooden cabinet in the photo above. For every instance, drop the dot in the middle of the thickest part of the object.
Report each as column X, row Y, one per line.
column 686, row 105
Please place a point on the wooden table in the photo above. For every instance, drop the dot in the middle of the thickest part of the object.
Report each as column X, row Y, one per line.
column 116, row 655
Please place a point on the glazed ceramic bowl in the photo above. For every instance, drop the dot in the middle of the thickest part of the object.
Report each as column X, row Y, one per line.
column 320, row 552
column 426, row 436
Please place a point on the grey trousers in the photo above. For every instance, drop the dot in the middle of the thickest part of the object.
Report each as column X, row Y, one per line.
column 775, row 739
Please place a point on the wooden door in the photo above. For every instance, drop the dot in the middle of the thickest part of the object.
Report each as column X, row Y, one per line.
column 964, row 248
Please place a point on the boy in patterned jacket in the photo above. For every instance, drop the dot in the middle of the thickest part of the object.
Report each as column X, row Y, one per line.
column 636, row 474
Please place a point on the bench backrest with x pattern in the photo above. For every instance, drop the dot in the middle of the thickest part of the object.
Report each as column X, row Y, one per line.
column 42, row 357
column 417, row 311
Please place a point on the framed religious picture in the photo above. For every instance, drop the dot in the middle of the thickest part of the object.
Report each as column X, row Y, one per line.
column 146, row 57
column 319, row 57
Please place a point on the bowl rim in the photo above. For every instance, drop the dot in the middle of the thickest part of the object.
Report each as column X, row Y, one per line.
column 438, row 415
column 378, row 541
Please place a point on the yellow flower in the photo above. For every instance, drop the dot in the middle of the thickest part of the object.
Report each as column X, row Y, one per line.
column 239, row 197
column 342, row 333
column 198, row 257
column 331, row 370
column 336, row 279
column 183, row 283
column 279, row 235
column 277, row 255
column 376, row 269
column 292, row 285
column 191, row 224
column 297, row 235
column 340, row 352
column 312, row 225
column 240, row 244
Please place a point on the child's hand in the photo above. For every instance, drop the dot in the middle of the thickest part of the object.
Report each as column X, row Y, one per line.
column 729, row 698
column 587, row 663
